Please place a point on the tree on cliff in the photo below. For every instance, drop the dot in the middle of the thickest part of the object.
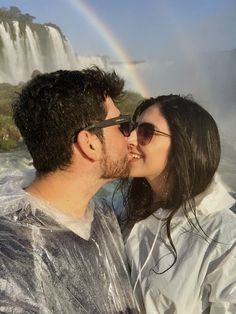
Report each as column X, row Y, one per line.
column 14, row 14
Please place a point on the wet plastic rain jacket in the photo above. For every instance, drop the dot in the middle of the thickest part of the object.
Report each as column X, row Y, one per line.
column 50, row 263
column 203, row 278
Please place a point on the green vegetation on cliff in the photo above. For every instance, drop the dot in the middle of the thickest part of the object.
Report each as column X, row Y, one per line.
column 14, row 14
column 129, row 102
column 9, row 135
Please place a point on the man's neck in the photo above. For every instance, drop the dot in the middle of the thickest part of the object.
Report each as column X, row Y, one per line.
column 65, row 192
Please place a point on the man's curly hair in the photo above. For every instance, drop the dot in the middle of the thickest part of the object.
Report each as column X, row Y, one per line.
column 52, row 107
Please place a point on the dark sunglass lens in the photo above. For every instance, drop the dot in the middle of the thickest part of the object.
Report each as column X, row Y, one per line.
column 145, row 133
column 126, row 128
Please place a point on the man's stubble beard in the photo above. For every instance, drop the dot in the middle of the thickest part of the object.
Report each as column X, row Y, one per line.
column 114, row 169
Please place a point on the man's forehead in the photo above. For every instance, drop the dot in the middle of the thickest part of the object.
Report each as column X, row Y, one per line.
column 112, row 110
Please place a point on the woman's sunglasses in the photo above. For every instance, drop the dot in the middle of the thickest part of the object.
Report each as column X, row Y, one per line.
column 125, row 122
column 146, row 131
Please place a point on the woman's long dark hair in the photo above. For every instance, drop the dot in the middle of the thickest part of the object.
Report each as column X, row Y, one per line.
column 193, row 160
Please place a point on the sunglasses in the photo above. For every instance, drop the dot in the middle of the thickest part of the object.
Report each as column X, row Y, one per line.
column 124, row 121
column 146, row 131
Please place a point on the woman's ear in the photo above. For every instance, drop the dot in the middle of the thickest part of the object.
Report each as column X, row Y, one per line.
column 89, row 145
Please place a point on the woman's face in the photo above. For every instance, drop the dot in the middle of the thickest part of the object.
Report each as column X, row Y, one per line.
column 149, row 160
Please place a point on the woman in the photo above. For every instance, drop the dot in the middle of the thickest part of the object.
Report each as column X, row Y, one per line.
column 182, row 246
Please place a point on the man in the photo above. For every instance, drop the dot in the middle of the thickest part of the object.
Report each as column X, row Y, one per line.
column 60, row 252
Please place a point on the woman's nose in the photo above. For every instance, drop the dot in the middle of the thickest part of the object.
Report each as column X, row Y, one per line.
column 132, row 139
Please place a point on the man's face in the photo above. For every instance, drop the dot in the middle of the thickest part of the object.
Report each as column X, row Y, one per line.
column 114, row 163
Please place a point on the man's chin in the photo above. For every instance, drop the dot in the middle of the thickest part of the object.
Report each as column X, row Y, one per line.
column 115, row 170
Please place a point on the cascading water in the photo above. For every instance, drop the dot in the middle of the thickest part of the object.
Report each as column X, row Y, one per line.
column 28, row 47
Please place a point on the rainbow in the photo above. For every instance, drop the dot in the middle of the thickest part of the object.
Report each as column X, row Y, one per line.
column 113, row 43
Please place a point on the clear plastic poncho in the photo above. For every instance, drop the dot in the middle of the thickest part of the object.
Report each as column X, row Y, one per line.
column 50, row 263
column 203, row 278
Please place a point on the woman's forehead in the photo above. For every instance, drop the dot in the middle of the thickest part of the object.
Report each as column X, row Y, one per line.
column 154, row 116
column 151, row 114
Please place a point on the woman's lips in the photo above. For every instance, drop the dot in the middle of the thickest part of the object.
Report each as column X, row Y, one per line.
column 133, row 156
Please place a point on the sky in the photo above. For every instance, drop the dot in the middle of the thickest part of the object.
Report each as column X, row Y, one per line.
column 145, row 28
column 158, row 32
column 175, row 39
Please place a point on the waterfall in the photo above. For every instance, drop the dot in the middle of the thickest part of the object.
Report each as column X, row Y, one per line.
column 59, row 50
column 32, row 48
column 28, row 47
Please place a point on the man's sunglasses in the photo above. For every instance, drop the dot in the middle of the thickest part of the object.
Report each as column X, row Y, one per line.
column 124, row 121
column 145, row 132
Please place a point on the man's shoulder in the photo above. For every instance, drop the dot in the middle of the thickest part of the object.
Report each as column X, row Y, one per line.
column 17, row 215
column 15, row 242
column 11, row 201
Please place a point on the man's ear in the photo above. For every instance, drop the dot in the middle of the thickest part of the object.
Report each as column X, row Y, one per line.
column 89, row 145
